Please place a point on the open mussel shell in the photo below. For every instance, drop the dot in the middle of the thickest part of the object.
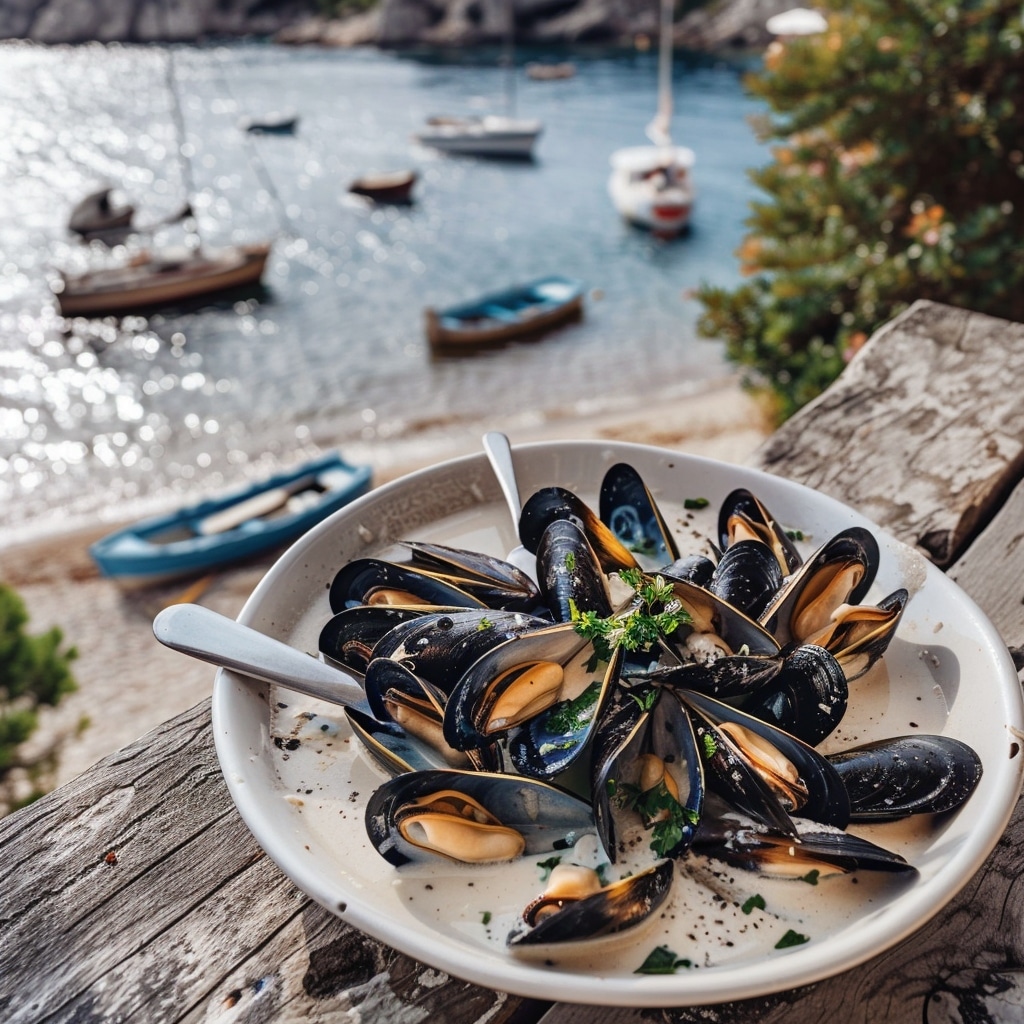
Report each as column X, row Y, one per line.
column 696, row 569
column 748, row 576
column 628, row 508
column 571, row 579
column 893, row 778
column 472, row 817
column 840, row 572
column 550, row 503
column 440, row 646
column 803, row 781
column 807, row 698
column 571, row 913
column 858, row 635
column 716, row 628
column 498, row 583
column 509, row 684
column 396, row 694
column 390, row 747
column 646, row 772
column 350, row 636
column 376, row 581
column 547, row 744
column 821, row 852
column 742, row 516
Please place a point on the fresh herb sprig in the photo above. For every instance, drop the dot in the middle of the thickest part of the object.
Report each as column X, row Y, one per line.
column 667, row 818
column 655, row 612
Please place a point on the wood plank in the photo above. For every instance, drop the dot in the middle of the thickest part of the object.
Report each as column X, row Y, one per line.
column 137, row 891
column 924, row 430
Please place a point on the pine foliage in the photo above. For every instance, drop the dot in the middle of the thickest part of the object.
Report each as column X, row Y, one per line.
column 898, row 175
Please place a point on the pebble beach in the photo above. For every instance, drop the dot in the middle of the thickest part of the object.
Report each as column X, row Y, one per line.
column 128, row 683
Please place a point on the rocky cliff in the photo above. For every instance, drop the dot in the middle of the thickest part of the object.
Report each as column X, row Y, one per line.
column 392, row 23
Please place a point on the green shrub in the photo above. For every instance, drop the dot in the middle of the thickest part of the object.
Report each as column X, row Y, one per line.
column 899, row 175
column 34, row 671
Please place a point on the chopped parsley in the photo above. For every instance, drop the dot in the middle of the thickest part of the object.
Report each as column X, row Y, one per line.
column 710, row 745
column 547, row 866
column 811, row 878
column 485, row 917
column 755, row 902
column 485, row 623
column 791, row 938
column 572, row 715
column 662, row 961
column 796, row 535
column 657, row 612
column 570, row 560
column 645, row 699
column 667, row 818
column 696, row 503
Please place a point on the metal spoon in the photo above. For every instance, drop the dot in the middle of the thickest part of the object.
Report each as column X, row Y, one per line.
column 499, row 454
column 209, row 636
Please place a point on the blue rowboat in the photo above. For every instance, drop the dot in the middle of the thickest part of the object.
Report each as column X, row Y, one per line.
column 241, row 524
column 516, row 312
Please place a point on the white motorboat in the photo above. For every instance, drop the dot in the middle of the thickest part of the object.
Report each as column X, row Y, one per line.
column 491, row 135
column 651, row 186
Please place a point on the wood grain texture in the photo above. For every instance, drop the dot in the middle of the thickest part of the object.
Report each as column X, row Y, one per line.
column 924, row 430
column 136, row 892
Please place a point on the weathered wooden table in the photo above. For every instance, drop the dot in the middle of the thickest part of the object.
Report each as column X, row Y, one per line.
column 136, row 892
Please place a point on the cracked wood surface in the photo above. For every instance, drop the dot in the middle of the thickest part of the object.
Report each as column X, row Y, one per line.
column 135, row 892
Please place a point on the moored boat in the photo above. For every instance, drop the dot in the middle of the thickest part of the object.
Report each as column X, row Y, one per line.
column 270, row 124
column 522, row 311
column 542, row 72
column 241, row 524
column 388, row 187
column 161, row 278
column 96, row 213
column 492, row 135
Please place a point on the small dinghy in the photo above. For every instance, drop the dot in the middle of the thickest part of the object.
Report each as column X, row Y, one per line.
column 525, row 310
column 243, row 523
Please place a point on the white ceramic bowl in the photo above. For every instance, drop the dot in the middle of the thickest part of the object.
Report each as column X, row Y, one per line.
column 301, row 785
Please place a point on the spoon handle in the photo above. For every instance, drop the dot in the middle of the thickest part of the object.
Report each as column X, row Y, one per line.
column 209, row 636
column 499, row 452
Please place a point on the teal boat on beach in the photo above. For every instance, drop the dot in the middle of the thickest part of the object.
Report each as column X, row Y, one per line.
column 243, row 523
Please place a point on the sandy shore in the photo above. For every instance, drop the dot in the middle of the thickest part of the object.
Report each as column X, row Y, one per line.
column 129, row 683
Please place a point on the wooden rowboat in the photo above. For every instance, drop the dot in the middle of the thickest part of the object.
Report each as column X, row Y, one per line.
column 162, row 278
column 243, row 523
column 523, row 311
column 390, row 187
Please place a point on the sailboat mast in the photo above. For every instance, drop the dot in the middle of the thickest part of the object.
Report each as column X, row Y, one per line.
column 508, row 58
column 659, row 130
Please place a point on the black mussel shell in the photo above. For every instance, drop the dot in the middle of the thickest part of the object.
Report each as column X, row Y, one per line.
column 390, row 748
column 817, row 852
column 748, row 576
column 893, row 778
column 808, row 697
column 571, row 580
column 376, row 581
column 350, row 636
column 613, row 908
column 498, row 583
column 628, row 508
column 729, row 677
column 822, row 795
column 551, row 503
column 647, row 728
column 840, row 572
column 742, row 509
column 440, row 646
column 547, row 817
column 692, row 569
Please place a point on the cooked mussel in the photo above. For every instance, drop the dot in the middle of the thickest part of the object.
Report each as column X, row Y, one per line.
column 350, row 636
column 893, row 778
column 628, row 508
column 472, row 817
column 742, row 516
column 551, row 503
column 575, row 907
column 840, row 572
column 374, row 581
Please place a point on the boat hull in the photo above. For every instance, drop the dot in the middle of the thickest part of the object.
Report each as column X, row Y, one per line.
column 385, row 188
column 487, row 136
column 524, row 312
column 207, row 536
column 650, row 187
column 148, row 285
